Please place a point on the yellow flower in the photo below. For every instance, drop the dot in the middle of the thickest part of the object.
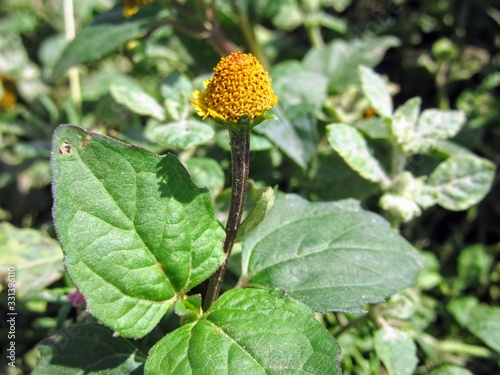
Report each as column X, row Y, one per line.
column 240, row 89
column 132, row 6
column 8, row 97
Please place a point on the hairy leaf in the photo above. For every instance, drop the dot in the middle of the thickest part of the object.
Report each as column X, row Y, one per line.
column 376, row 90
column 434, row 125
column 248, row 331
column 404, row 120
column 135, row 230
column 331, row 256
column 338, row 60
column 352, row 147
column 458, row 183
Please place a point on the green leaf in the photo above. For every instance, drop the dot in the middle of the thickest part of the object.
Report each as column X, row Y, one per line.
column 254, row 331
column 374, row 127
column 294, row 134
column 404, row 120
column 206, row 172
column 352, row 147
column 137, row 100
column 396, row 350
column 223, row 201
column 450, row 370
column 338, row 60
column 190, row 306
column 98, row 84
column 400, row 198
column 13, row 55
column 258, row 213
column 136, row 232
column 461, row 308
column 458, row 183
column 177, row 89
column 36, row 258
column 331, row 179
column 288, row 16
column 481, row 320
column 445, row 149
column 331, row 256
column 376, row 90
column 434, row 125
column 300, row 93
column 51, row 50
column 336, row 24
column 474, row 264
column 295, row 85
column 181, row 135
column 90, row 349
column 257, row 142
column 484, row 322
column 89, row 44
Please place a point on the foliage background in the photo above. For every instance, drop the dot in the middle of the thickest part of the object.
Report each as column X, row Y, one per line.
column 447, row 53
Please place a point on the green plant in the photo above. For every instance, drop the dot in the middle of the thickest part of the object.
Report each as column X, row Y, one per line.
column 316, row 279
column 457, row 183
column 138, row 236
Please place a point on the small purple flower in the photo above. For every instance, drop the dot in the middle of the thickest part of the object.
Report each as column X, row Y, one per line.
column 76, row 297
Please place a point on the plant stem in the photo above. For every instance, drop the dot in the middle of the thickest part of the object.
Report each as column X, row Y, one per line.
column 73, row 74
column 240, row 163
column 218, row 39
column 441, row 80
column 438, row 348
column 398, row 164
column 452, row 346
column 314, row 34
column 398, row 161
column 352, row 324
column 249, row 35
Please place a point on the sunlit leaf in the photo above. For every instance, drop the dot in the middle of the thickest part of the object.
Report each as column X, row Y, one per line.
column 249, row 330
column 331, row 256
column 135, row 230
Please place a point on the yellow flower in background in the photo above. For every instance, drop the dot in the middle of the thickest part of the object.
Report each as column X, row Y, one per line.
column 8, row 97
column 132, row 6
column 240, row 88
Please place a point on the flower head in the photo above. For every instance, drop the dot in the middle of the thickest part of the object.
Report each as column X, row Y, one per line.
column 132, row 6
column 240, row 90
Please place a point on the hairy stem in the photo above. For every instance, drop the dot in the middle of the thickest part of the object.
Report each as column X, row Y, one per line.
column 240, row 163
